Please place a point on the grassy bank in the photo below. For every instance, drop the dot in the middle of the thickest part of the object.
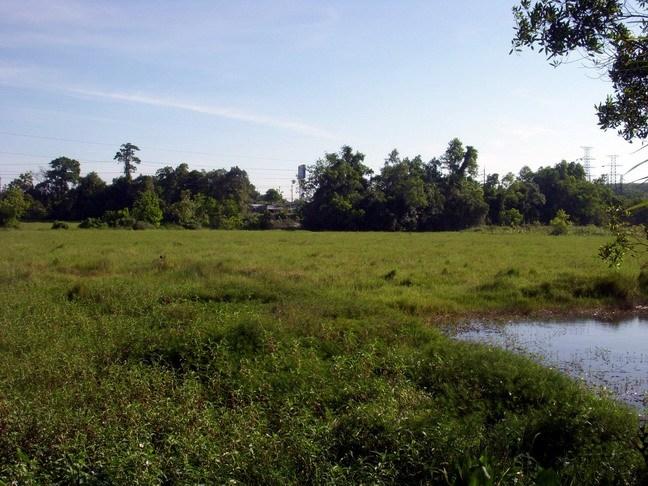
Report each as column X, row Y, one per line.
column 207, row 356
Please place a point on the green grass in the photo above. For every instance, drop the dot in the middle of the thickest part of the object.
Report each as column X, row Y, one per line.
column 293, row 357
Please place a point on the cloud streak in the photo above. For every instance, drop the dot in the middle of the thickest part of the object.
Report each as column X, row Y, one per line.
column 40, row 79
column 218, row 111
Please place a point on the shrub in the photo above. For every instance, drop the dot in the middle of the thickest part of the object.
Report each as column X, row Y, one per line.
column 118, row 219
column 147, row 208
column 511, row 217
column 560, row 223
column 12, row 207
column 142, row 225
column 92, row 223
column 192, row 226
column 188, row 212
column 60, row 225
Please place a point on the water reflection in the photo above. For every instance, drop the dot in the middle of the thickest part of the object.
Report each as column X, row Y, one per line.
column 613, row 356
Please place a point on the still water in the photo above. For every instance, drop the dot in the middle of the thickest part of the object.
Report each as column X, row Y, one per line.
column 609, row 356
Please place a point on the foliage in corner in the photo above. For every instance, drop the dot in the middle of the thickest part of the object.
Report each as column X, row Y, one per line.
column 628, row 238
column 611, row 36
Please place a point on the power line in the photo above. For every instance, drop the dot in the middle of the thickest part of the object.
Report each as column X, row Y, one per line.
column 144, row 162
column 162, row 149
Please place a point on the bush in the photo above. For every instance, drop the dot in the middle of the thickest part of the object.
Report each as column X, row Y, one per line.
column 147, row 208
column 60, row 225
column 118, row 219
column 92, row 223
column 12, row 207
column 511, row 217
column 560, row 223
column 142, row 225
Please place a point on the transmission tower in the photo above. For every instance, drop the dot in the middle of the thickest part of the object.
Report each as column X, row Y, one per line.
column 587, row 162
column 613, row 169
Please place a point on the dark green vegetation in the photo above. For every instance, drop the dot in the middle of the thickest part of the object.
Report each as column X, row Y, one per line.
column 612, row 35
column 271, row 357
column 444, row 194
column 340, row 193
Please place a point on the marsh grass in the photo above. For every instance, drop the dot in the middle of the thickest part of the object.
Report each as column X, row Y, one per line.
column 214, row 357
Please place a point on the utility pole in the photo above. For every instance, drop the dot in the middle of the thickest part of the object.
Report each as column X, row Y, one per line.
column 587, row 162
column 484, row 175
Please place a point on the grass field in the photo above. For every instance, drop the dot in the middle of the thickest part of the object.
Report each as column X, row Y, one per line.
column 176, row 356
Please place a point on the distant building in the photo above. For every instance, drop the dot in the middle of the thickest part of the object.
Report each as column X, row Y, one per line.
column 267, row 208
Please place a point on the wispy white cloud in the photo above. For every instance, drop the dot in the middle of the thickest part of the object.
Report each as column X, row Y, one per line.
column 41, row 12
column 31, row 77
column 218, row 111
column 164, row 28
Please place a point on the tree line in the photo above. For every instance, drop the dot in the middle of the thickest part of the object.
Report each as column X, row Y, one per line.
column 445, row 193
column 340, row 193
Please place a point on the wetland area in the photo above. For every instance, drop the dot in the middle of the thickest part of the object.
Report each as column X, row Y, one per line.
column 609, row 356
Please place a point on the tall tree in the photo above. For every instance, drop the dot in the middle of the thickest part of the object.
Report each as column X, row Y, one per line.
column 126, row 155
column 464, row 204
column 24, row 182
column 90, row 196
column 612, row 35
column 338, row 188
column 63, row 175
column 459, row 162
column 273, row 196
column 406, row 196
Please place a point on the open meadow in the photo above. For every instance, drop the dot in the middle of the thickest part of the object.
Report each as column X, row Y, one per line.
column 175, row 356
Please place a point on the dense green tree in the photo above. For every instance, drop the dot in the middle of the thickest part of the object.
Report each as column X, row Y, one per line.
column 526, row 198
column 36, row 210
column 406, row 195
column 464, row 204
column 120, row 194
column 338, row 189
column 236, row 186
column 24, row 182
column 459, row 162
column 126, row 155
column 55, row 191
column 189, row 211
column 612, row 34
column 13, row 206
column 494, row 197
column 63, row 175
column 511, row 217
column 170, row 182
column 147, row 208
column 566, row 187
column 90, row 196
column 272, row 196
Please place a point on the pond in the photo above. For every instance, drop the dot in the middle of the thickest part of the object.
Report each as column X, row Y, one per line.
column 613, row 356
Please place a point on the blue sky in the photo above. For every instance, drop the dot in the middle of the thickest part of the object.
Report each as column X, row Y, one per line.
column 269, row 85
